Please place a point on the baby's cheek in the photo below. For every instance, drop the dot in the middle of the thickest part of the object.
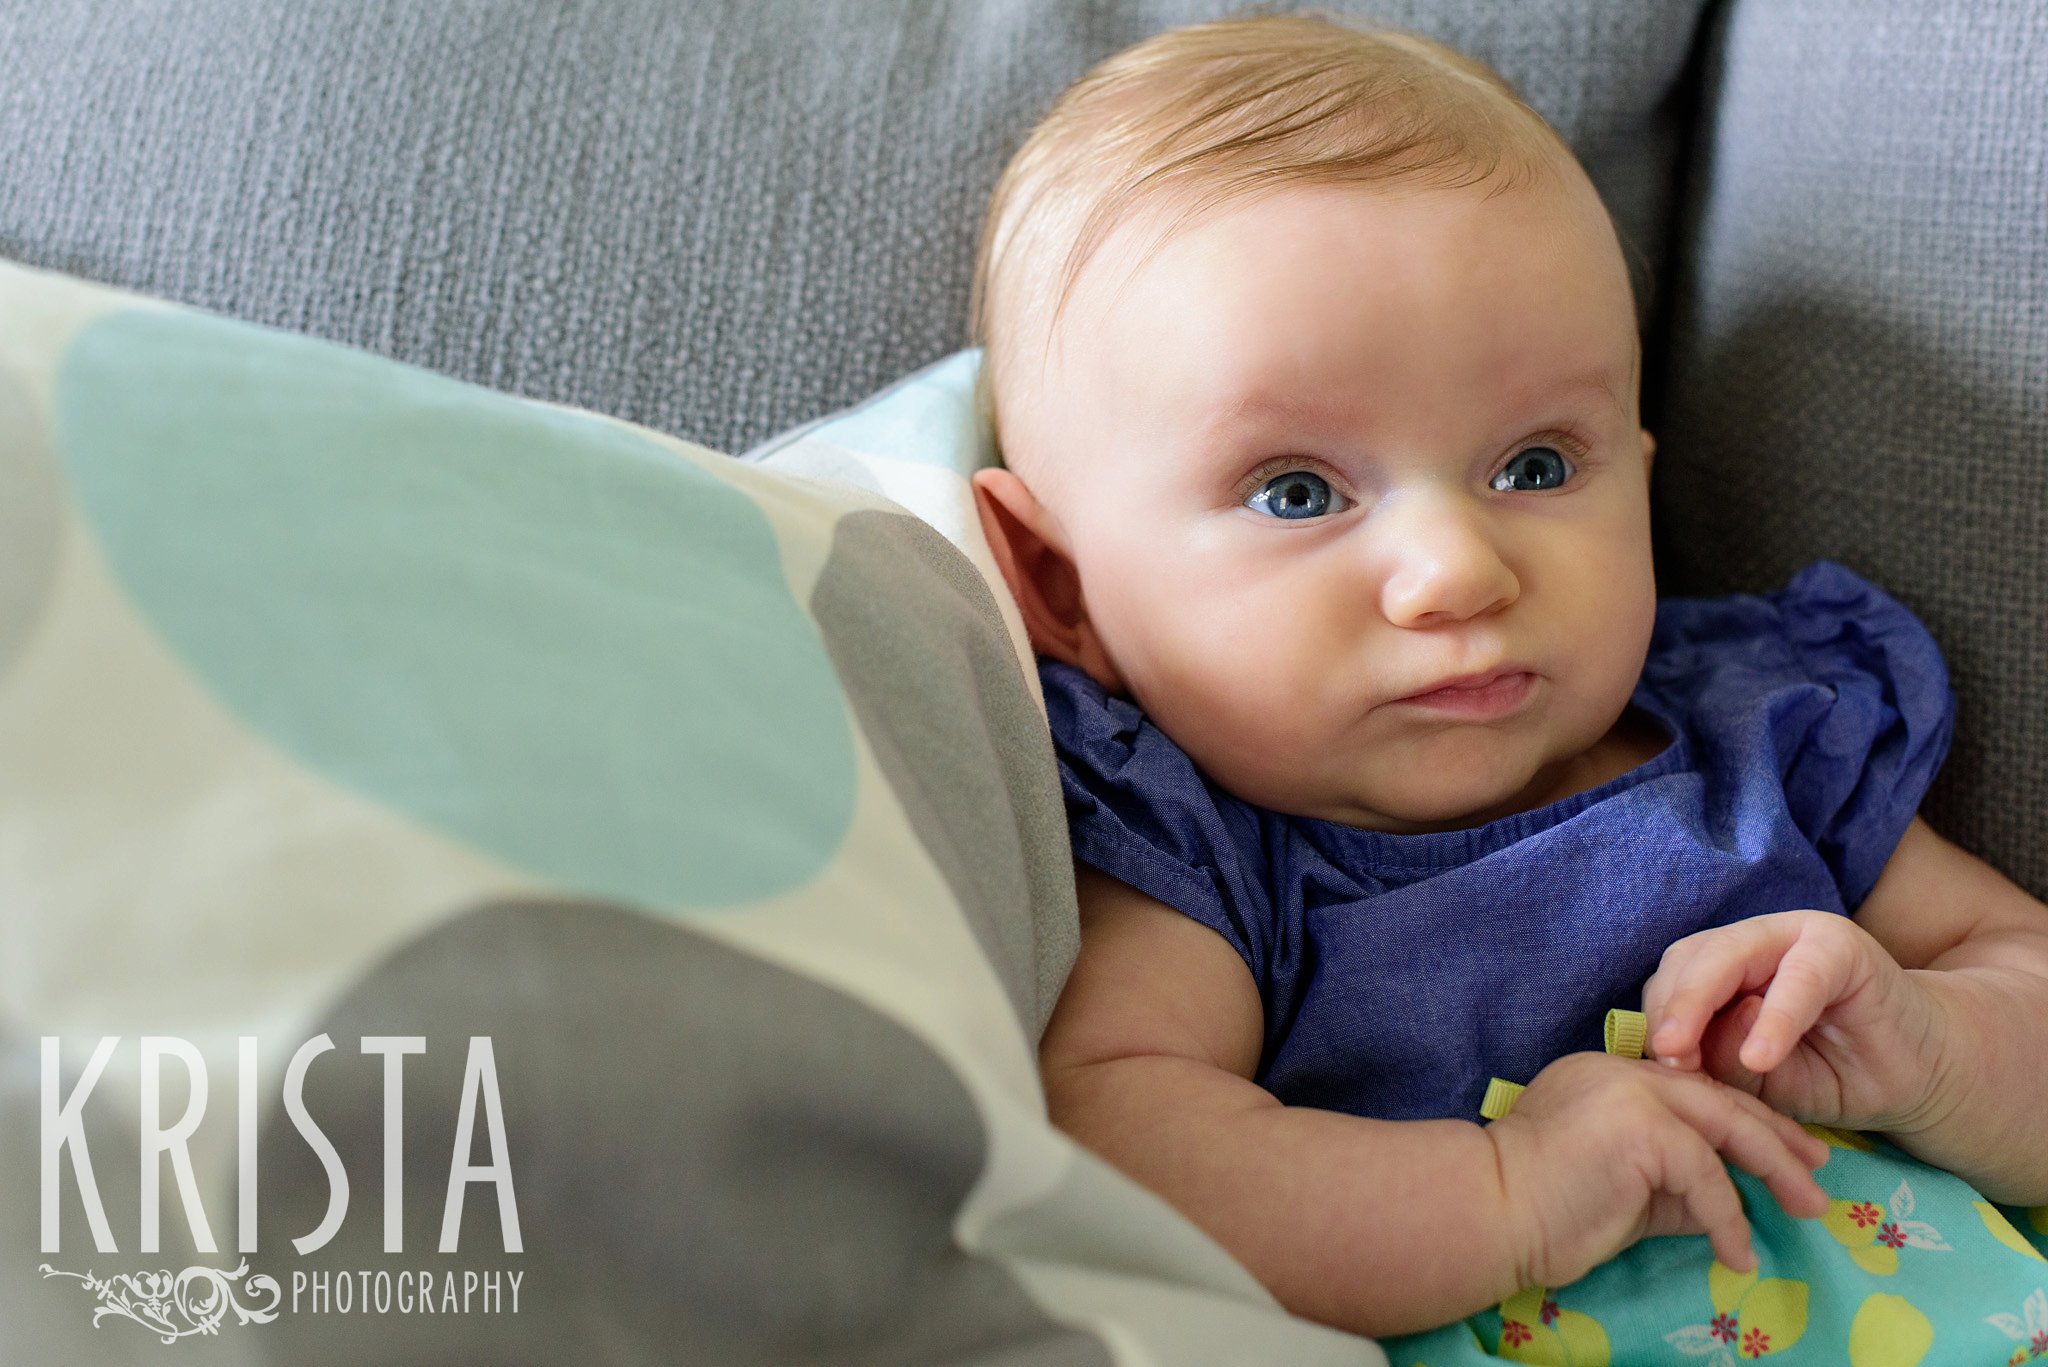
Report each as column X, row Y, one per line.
column 1257, row 743
column 1238, row 658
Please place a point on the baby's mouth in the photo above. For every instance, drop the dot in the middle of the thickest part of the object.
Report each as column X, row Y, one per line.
column 1483, row 698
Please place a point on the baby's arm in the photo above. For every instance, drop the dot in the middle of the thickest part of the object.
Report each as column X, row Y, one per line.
column 1926, row 1018
column 1376, row 1226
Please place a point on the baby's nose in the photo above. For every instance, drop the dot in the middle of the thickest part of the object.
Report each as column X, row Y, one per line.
column 1445, row 568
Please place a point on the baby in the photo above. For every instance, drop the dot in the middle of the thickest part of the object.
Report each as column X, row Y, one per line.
column 1314, row 363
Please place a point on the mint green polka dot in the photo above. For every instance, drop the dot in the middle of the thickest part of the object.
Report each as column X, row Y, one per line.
column 531, row 629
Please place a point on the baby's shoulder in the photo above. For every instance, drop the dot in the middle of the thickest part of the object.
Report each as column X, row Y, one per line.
column 1827, row 626
column 1114, row 763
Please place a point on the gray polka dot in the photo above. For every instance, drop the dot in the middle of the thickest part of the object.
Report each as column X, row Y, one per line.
column 715, row 1160
column 31, row 508
column 920, row 647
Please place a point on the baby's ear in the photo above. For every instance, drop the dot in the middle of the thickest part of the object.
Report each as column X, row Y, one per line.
column 1041, row 574
column 1649, row 448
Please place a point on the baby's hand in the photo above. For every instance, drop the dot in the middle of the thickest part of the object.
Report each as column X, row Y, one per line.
column 1840, row 1033
column 1602, row 1151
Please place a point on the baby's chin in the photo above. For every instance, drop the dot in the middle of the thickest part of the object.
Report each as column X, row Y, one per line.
column 1412, row 820
column 1442, row 801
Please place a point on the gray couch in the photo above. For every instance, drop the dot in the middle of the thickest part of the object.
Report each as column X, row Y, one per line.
column 719, row 218
column 722, row 217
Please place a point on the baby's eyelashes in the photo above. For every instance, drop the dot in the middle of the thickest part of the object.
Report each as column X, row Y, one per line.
column 1534, row 468
column 1300, row 495
column 1296, row 495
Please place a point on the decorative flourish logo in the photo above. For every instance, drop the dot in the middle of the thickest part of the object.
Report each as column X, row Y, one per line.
column 201, row 1297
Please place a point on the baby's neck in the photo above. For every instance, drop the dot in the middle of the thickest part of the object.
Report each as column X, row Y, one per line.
column 1634, row 740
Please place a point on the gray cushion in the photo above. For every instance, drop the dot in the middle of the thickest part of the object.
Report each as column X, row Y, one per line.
column 714, row 218
column 1859, row 348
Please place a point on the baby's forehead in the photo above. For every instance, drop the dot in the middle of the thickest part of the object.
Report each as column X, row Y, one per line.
column 1168, row 319
column 1196, row 223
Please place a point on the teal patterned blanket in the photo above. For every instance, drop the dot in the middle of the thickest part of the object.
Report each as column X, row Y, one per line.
column 1910, row 1267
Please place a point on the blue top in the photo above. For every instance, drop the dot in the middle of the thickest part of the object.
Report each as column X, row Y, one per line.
column 1400, row 972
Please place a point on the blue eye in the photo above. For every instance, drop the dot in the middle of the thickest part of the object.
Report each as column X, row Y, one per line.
column 1539, row 467
column 1296, row 496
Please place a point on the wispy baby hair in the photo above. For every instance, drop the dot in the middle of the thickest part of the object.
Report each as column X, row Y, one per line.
column 1202, row 116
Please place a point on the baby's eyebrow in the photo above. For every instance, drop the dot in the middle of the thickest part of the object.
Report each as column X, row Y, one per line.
column 1261, row 407
column 1252, row 412
column 1251, row 408
column 1614, row 395
column 1599, row 381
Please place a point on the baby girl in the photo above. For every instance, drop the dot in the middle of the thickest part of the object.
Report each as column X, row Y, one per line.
column 1314, row 364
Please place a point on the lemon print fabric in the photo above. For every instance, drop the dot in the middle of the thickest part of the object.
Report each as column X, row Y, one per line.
column 398, row 578
column 1754, row 1316
column 2004, row 1231
column 2027, row 1331
column 1889, row 1331
column 1874, row 1233
column 1535, row 1328
column 1910, row 1267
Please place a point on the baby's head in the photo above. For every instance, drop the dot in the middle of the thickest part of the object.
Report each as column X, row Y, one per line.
column 1313, row 360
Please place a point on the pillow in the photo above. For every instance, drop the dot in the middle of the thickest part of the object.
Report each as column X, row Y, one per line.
column 917, row 442
column 624, row 883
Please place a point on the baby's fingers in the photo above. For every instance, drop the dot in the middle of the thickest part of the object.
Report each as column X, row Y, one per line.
column 1758, row 1140
column 1721, row 1045
column 1814, row 972
column 1701, row 973
column 1770, row 1147
column 1695, row 1176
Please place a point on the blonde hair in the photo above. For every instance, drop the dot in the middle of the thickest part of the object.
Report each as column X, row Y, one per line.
column 1206, row 115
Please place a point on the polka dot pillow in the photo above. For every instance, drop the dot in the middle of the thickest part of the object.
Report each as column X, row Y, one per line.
column 662, row 850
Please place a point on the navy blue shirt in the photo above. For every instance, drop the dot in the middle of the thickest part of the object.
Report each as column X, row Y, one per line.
column 1400, row 972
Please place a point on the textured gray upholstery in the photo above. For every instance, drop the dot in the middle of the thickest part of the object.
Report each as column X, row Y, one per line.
column 1858, row 357
column 720, row 217
column 715, row 217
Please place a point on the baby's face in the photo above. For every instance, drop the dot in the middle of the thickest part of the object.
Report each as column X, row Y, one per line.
column 1337, row 445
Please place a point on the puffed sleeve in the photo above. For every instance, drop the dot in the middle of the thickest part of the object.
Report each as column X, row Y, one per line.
column 1140, row 811
column 1859, row 772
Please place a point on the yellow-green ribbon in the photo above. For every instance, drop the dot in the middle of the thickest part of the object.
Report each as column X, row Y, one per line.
column 1624, row 1036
